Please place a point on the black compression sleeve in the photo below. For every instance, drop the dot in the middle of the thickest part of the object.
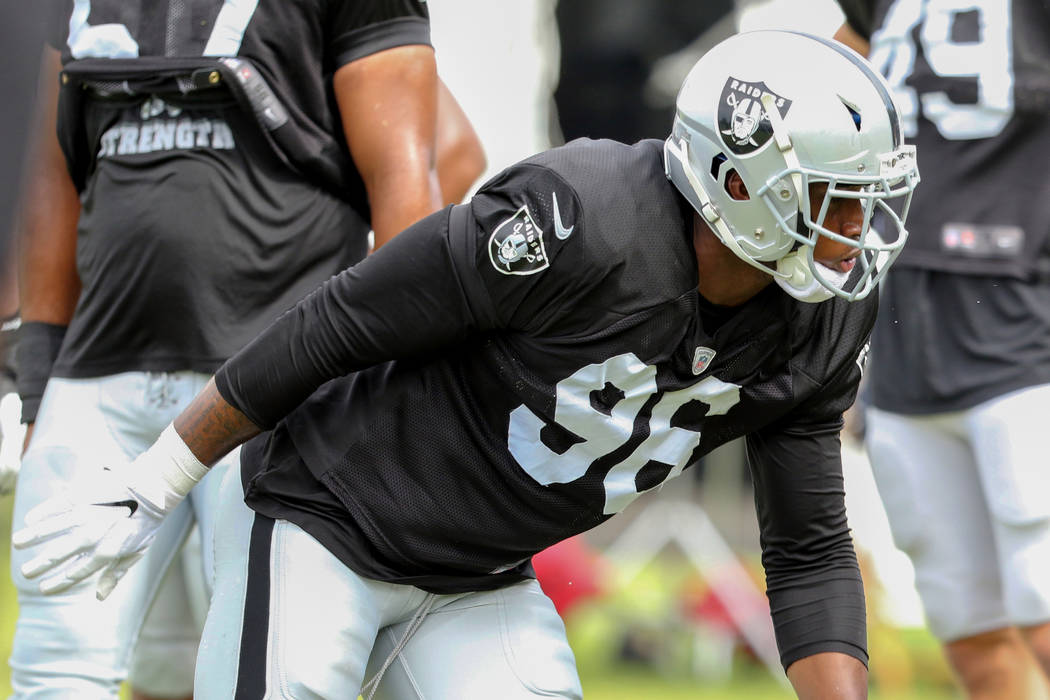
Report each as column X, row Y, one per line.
column 36, row 348
column 819, row 615
column 405, row 300
column 813, row 582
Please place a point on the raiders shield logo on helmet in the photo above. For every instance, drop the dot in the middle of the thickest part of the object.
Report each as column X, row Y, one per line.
column 742, row 120
column 516, row 246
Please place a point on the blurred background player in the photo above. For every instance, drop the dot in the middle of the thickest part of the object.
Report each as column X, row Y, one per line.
column 187, row 201
column 959, row 380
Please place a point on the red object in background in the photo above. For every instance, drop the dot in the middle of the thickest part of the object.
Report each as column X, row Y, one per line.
column 569, row 573
column 709, row 607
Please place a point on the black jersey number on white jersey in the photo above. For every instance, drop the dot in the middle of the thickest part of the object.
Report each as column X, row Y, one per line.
column 988, row 60
column 113, row 40
column 602, row 432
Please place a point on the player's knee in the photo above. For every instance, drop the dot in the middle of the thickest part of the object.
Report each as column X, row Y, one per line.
column 1025, row 566
column 1021, row 502
column 960, row 625
column 989, row 661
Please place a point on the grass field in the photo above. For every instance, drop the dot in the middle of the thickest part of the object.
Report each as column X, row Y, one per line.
column 8, row 606
column 623, row 685
column 908, row 667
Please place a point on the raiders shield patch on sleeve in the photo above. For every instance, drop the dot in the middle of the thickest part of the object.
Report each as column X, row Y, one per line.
column 516, row 246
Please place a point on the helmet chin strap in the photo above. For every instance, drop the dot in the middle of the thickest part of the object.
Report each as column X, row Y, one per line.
column 800, row 282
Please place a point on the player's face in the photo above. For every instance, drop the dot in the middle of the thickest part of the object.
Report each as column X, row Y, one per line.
column 846, row 218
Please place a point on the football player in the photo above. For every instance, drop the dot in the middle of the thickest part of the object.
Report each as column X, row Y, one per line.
column 515, row 370
column 218, row 160
column 960, row 379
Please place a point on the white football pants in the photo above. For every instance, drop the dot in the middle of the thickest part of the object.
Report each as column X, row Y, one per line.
column 71, row 645
column 289, row 620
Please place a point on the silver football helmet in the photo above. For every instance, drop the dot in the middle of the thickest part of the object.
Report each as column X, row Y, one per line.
column 785, row 110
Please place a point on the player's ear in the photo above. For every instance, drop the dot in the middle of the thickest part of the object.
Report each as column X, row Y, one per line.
column 735, row 186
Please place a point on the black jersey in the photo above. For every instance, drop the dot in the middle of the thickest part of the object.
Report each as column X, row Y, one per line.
column 197, row 229
column 965, row 314
column 513, row 371
column 972, row 87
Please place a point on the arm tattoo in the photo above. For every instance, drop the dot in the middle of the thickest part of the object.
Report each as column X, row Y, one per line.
column 211, row 427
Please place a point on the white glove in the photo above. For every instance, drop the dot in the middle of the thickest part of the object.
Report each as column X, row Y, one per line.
column 107, row 524
column 12, row 435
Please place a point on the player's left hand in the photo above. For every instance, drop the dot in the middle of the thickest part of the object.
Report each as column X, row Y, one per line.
column 104, row 526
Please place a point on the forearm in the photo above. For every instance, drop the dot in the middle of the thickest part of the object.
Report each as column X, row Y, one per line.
column 829, row 676
column 47, row 277
column 211, row 427
column 813, row 582
column 819, row 610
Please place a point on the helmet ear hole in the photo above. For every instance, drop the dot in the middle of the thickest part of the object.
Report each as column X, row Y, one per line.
column 735, row 187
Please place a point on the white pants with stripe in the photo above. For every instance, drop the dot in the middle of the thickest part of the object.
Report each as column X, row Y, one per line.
column 289, row 620
column 968, row 500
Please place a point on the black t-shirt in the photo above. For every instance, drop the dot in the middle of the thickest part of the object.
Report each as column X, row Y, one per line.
column 515, row 370
column 195, row 233
column 965, row 315
column 947, row 342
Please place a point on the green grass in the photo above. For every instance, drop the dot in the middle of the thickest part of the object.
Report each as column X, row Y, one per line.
column 8, row 604
column 905, row 666
column 628, row 685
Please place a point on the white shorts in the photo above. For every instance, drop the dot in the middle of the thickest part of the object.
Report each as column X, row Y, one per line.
column 968, row 499
column 288, row 620
column 70, row 644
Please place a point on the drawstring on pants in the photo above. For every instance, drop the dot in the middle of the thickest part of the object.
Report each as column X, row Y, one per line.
column 369, row 688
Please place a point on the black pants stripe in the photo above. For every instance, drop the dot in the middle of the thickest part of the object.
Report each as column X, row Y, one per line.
column 251, row 667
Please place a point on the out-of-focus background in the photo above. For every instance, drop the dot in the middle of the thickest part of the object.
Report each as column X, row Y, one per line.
column 665, row 601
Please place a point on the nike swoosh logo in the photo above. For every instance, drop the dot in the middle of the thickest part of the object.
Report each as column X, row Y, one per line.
column 559, row 229
column 131, row 504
